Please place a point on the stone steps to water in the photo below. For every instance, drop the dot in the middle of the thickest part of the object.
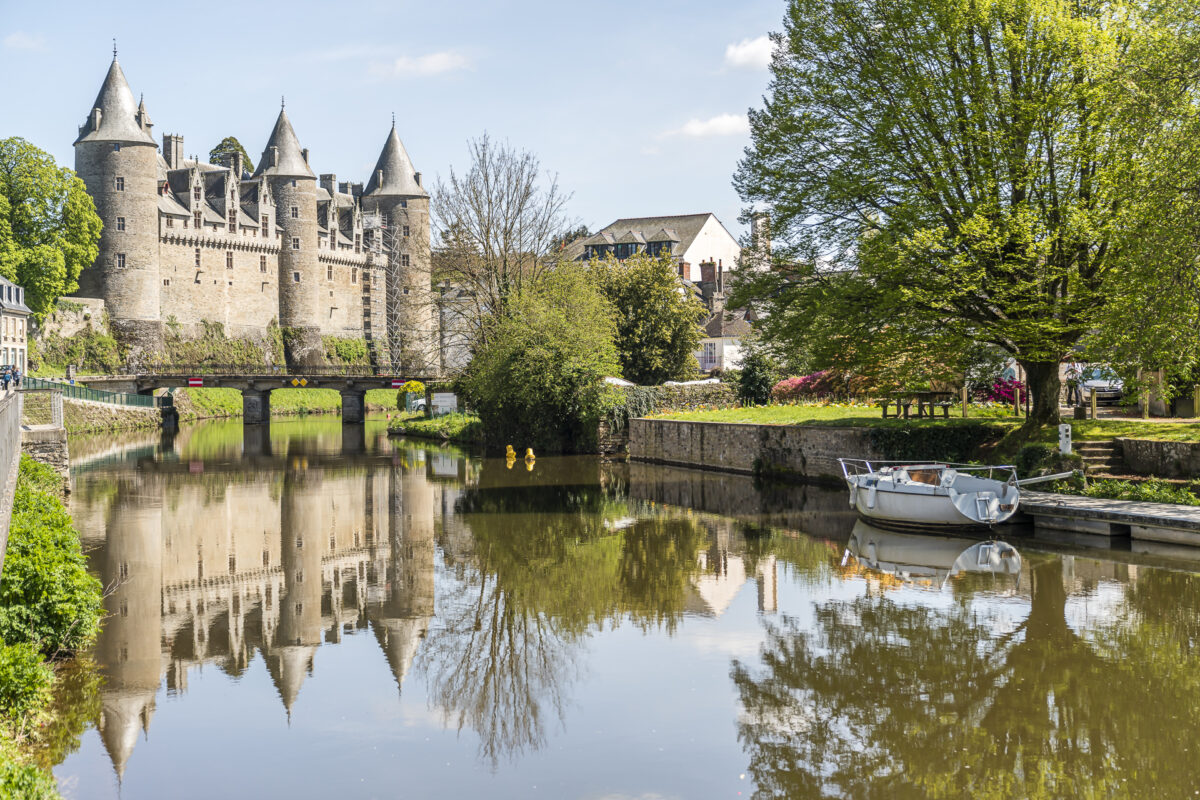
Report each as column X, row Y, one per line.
column 1102, row 458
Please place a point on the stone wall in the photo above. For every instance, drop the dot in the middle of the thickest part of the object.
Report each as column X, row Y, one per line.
column 10, row 461
column 72, row 316
column 614, row 439
column 805, row 452
column 49, row 446
column 1161, row 459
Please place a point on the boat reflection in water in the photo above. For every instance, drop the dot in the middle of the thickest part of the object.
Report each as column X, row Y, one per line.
column 928, row 559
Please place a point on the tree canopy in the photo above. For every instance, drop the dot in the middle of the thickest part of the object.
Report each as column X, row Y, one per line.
column 1001, row 171
column 658, row 321
column 49, row 229
column 226, row 148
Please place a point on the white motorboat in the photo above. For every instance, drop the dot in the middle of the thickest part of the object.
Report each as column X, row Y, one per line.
column 932, row 494
column 929, row 559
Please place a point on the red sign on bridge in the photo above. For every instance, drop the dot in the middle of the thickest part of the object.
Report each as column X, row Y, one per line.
column 397, row 383
column 195, row 381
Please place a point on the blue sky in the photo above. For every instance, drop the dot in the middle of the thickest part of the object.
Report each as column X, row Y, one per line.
column 639, row 107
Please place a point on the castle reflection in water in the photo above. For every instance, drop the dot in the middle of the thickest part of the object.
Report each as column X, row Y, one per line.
column 204, row 565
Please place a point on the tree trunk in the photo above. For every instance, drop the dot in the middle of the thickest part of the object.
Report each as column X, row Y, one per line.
column 1043, row 387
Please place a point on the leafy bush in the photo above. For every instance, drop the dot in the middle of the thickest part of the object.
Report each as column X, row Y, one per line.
column 758, row 375
column 24, row 681
column 1043, row 459
column 911, row 441
column 817, row 385
column 346, row 351
column 21, row 780
column 91, row 350
column 1002, row 391
column 47, row 597
column 537, row 380
column 1149, row 491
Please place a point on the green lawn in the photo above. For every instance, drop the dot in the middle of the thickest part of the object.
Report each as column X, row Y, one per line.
column 462, row 428
column 862, row 415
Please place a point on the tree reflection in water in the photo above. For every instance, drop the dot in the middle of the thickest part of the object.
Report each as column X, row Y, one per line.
column 552, row 556
column 888, row 698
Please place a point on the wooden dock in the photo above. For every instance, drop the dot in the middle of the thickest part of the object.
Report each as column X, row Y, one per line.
column 1155, row 522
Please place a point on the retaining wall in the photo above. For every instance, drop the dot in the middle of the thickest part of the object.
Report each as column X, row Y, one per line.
column 613, row 440
column 1161, row 459
column 10, row 461
column 804, row 452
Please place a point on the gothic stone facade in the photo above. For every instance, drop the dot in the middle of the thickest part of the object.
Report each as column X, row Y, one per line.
column 188, row 243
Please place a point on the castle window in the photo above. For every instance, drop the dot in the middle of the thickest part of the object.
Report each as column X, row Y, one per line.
column 266, row 223
column 262, row 263
column 295, row 277
column 196, row 192
column 406, row 230
column 120, row 261
column 354, row 274
column 166, row 281
column 120, row 184
column 266, row 559
column 120, row 223
column 199, row 224
column 295, row 243
column 233, row 194
column 170, row 222
column 228, row 259
column 233, row 220
column 404, row 204
column 404, row 260
column 293, row 181
column 333, row 239
column 295, row 212
column 328, row 272
column 358, row 242
column 116, row 147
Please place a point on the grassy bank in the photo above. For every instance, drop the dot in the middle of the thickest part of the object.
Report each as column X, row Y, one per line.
column 459, row 428
column 1148, row 491
column 870, row 416
column 49, row 609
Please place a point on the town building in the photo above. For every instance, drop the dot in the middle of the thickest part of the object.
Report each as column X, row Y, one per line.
column 14, row 321
column 187, row 243
column 689, row 238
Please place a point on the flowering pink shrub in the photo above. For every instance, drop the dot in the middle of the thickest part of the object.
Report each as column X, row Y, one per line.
column 1002, row 392
column 816, row 385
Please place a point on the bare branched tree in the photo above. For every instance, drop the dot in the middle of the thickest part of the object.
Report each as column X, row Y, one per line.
column 496, row 227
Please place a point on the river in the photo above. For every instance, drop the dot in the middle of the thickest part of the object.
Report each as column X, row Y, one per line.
column 310, row 614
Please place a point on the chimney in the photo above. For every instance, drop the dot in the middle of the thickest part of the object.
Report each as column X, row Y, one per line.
column 237, row 165
column 173, row 150
column 720, row 276
column 96, row 115
column 685, row 270
column 329, row 182
column 417, row 176
column 304, row 154
column 708, row 273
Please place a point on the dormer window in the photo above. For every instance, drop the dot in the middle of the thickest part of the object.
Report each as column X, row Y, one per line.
column 195, row 192
column 357, row 244
column 233, row 220
column 198, row 222
column 266, row 223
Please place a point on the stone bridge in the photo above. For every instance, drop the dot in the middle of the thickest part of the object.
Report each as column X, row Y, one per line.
column 256, row 382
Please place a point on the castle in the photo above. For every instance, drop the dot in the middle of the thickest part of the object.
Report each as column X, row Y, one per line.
column 187, row 244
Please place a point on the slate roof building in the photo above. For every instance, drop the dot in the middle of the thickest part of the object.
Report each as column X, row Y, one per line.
column 194, row 243
column 14, row 322
column 689, row 238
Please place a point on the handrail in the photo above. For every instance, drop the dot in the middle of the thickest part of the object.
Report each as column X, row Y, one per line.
column 79, row 392
column 282, row 370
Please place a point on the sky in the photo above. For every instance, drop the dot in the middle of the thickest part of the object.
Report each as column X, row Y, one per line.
column 638, row 108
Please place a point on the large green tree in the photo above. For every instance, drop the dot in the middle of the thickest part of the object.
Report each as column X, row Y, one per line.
column 49, row 229
column 537, row 378
column 1014, row 172
column 226, row 148
column 658, row 321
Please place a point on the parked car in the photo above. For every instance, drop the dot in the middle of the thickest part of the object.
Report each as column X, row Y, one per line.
column 1102, row 381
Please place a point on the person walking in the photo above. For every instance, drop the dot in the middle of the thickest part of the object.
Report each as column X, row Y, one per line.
column 1074, row 376
column 17, row 377
column 6, row 377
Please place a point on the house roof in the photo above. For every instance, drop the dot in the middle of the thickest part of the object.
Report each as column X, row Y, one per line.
column 399, row 175
column 729, row 322
column 682, row 229
column 118, row 113
column 290, row 162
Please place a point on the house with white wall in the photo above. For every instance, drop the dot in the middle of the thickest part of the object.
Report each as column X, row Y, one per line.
column 689, row 238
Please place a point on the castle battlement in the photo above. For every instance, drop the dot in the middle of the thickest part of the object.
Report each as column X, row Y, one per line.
column 191, row 242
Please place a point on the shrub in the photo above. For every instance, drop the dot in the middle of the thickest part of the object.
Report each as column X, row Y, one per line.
column 90, row 350
column 956, row 443
column 537, row 380
column 346, row 351
column 20, row 780
column 24, row 681
column 1002, row 391
column 47, row 597
column 758, row 375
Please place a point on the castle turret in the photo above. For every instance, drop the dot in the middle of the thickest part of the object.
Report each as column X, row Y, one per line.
column 395, row 192
column 117, row 159
column 284, row 167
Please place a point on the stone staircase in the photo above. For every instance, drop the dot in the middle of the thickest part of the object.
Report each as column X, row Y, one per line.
column 1102, row 457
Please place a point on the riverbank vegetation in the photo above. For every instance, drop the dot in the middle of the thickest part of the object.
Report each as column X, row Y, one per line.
column 1148, row 491
column 50, row 608
column 458, row 428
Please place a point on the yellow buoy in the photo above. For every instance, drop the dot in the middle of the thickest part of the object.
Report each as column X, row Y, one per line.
column 508, row 462
column 529, row 454
column 529, row 465
column 509, row 452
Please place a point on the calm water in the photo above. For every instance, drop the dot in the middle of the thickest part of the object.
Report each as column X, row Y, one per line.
column 308, row 614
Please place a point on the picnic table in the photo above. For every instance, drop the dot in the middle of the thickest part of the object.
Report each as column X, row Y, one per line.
column 927, row 404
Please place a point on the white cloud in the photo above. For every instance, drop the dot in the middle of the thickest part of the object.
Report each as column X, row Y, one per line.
column 750, row 53
column 19, row 40
column 720, row 125
column 421, row 66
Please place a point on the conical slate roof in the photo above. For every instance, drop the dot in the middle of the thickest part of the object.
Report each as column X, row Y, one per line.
column 399, row 176
column 118, row 113
column 290, row 162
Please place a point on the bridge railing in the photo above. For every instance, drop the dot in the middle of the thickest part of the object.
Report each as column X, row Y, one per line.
column 77, row 392
column 282, row 370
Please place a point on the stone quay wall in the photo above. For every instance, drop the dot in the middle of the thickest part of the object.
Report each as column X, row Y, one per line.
column 10, row 462
column 803, row 452
column 613, row 440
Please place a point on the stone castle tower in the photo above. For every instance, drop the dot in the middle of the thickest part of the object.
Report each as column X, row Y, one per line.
column 187, row 244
